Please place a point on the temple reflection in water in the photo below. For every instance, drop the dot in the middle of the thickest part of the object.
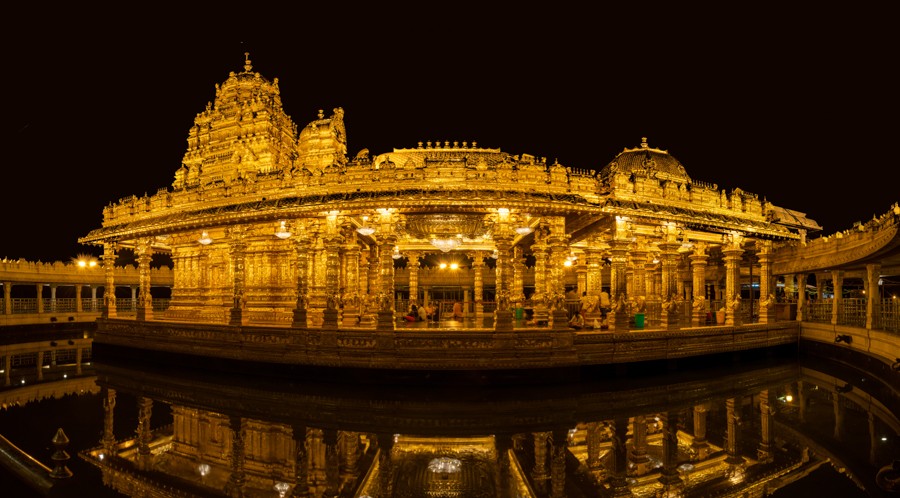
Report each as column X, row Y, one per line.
column 288, row 256
column 731, row 431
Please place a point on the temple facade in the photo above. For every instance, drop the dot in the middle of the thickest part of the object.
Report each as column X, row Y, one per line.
column 270, row 223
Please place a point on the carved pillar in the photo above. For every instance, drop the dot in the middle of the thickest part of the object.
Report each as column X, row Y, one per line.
column 559, row 251
column 837, row 304
column 332, row 280
column 144, row 252
column 593, row 285
column 517, row 291
column 593, row 441
column 301, row 463
column 669, row 477
column 733, row 422
column 144, row 434
column 238, row 252
column 386, row 463
column 503, row 443
column 39, row 364
column 801, row 296
column 108, row 259
column 235, row 485
column 351, row 298
column 699, row 307
column 503, row 316
column 78, row 304
column 540, row 473
column 766, row 288
column 413, row 264
column 559, row 449
column 386, row 282
column 639, row 264
column 581, row 276
column 301, row 249
column 619, row 459
column 53, row 298
column 108, row 439
column 478, row 270
column 40, row 297
column 539, row 298
column 839, row 425
column 369, row 303
column 619, row 292
column 7, row 298
column 699, row 445
column 639, row 457
column 349, row 451
column 669, row 259
column 873, row 301
column 732, row 255
column 765, row 453
column 332, row 484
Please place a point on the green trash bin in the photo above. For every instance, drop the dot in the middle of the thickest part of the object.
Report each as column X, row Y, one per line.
column 638, row 320
column 520, row 313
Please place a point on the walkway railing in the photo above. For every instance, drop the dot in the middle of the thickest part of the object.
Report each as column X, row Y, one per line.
column 68, row 305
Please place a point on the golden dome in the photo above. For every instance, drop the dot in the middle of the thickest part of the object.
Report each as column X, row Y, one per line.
column 648, row 161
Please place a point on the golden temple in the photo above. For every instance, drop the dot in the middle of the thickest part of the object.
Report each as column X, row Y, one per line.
column 288, row 250
column 276, row 233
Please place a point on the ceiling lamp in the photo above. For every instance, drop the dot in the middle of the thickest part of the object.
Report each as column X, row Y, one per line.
column 396, row 254
column 365, row 230
column 282, row 232
column 205, row 239
column 445, row 245
column 444, row 465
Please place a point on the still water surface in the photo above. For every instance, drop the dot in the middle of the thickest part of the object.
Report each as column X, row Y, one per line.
column 780, row 425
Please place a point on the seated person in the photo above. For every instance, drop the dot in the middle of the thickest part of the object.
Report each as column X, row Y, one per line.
column 577, row 321
column 431, row 312
column 413, row 314
column 423, row 313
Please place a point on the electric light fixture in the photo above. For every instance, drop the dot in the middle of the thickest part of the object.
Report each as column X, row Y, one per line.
column 282, row 232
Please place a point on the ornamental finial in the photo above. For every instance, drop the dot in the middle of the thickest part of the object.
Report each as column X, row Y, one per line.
column 643, row 142
column 247, row 66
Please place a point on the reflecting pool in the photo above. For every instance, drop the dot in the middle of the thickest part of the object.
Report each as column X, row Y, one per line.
column 768, row 425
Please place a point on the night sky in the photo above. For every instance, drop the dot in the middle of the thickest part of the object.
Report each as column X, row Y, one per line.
column 799, row 107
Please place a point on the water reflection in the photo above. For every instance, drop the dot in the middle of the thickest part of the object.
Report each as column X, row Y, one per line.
column 710, row 432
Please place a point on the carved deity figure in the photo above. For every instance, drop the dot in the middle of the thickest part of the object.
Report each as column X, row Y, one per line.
column 589, row 303
column 699, row 303
column 621, row 304
column 733, row 302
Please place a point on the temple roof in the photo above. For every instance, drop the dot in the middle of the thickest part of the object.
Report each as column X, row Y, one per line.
column 648, row 160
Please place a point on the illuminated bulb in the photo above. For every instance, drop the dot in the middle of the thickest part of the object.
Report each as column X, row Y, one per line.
column 203, row 468
column 789, row 398
column 282, row 232
column 454, row 266
column 282, row 488
column 205, row 239
column 443, row 266
column 567, row 262
column 523, row 230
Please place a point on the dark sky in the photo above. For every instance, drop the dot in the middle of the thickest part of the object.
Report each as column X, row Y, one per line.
column 798, row 106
